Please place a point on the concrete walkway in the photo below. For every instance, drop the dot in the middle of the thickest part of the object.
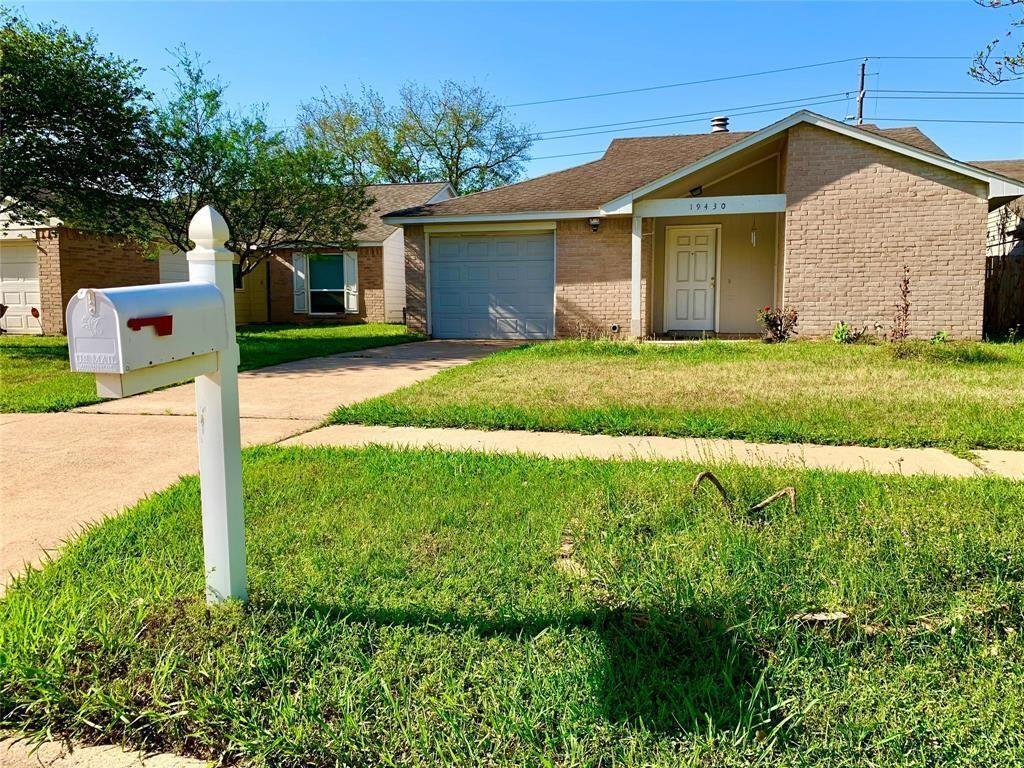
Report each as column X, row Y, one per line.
column 65, row 470
column 56, row 755
column 312, row 388
column 904, row 461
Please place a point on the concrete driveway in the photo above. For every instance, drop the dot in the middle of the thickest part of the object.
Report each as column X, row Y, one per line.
column 65, row 470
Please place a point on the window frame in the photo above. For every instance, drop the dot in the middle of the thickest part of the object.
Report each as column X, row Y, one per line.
column 310, row 290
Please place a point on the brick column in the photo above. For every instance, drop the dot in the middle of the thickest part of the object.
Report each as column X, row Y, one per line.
column 415, row 279
column 51, row 298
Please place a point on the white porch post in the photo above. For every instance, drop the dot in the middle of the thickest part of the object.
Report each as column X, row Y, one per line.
column 635, row 327
column 220, row 444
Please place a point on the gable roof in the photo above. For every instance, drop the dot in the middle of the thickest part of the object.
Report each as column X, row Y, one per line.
column 390, row 197
column 636, row 166
column 1012, row 168
column 908, row 134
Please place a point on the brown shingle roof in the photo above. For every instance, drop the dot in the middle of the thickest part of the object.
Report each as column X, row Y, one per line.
column 1012, row 168
column 390, row 197
column 626, row 165
column 908, row 134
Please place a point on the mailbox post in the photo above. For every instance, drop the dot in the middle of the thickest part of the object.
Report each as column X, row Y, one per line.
column 142, row 337
column 217, row 417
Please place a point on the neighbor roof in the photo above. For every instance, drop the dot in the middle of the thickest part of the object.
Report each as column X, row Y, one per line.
column 1012, row 168
column 636, row 165
column 390, row 197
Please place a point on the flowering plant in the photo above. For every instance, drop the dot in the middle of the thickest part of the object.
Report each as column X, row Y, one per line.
column 778, row 324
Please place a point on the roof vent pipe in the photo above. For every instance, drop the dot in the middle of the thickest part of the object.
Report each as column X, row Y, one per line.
column 720, row 124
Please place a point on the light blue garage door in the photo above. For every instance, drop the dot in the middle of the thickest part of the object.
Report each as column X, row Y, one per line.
column 492, row 287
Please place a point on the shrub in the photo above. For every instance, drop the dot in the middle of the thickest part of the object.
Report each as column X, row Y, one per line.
column 901, row 320
column 778, row 324
column 940, row 337
column 844, row 333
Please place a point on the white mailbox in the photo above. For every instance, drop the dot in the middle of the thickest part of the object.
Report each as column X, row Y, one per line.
column 146, row 336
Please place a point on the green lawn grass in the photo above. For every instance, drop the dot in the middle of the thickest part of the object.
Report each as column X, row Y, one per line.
column 428, row 608
column 954, row 395
column 34, row 373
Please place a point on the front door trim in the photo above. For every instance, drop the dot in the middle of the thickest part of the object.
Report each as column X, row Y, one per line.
column 718, row 269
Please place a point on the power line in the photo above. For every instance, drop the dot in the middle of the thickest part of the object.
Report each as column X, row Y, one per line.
column 568, row 154
column 969, row 93
column 726, row 110
column 694, row 120
column 943, row 120
column 691, row 82
column 953, row 98
column 733, row 77
column 874, row 119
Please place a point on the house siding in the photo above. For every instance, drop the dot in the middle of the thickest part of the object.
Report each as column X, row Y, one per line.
column 70, row 260
column 856, row 214
column 394, row 277
column 371, row 290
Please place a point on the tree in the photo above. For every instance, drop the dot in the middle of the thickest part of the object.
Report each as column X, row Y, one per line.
column 273, row 190
column 75, row 132
column 456, row 133
column 992, row 67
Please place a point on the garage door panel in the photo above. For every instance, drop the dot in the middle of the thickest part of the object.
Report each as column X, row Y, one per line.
column 505, row 284
column 19, row 286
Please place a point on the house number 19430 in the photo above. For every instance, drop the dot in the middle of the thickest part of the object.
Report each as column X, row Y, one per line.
column 706, row 206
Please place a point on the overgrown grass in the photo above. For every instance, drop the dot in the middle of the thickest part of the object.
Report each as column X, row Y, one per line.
column 422, row 608
column 34, row 372
column 954, row 395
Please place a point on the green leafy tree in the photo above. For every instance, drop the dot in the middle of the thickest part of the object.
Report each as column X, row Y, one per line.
column 272, row 188
column 456, row 133
column 75, row 131
column 992, row 66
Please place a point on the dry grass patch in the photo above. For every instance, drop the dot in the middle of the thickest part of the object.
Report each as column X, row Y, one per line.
column 957, row 396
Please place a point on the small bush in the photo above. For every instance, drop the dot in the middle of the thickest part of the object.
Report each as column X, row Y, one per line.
column 901, row 320
column 778, row 324
column 844, row 333
column 940, row 337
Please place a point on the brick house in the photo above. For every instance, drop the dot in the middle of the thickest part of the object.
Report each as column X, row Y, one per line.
column 691, row 234
column 41, row 268
column 306, row 285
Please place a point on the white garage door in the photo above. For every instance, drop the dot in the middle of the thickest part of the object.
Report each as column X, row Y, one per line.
column 19, row 286
column 492, row 286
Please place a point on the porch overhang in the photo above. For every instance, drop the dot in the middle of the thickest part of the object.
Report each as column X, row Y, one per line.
column 684, row 206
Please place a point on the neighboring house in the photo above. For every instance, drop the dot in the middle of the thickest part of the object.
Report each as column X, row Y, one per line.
column 691, row 234
column 1004, row 274
column 41, row 268
column 329, row 285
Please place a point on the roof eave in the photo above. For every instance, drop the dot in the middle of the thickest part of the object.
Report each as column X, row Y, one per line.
column 496, row 217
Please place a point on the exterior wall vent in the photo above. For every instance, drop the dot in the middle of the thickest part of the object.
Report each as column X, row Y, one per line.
column 720, row 124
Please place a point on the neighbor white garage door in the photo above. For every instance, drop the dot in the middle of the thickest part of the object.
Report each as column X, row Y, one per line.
column 19, row 286
column 492, row 286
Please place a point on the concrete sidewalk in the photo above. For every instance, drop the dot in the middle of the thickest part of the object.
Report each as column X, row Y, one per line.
column 52, row 754
column 903, row 461
column 65, row 470
column 312, row 388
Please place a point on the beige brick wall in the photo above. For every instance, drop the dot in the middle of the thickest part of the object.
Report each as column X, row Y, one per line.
column 592, row 277
column 415, row 279
column 856, row 214
column 371, row 290
column 70, row 260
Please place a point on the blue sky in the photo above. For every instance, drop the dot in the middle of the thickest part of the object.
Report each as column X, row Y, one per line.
column 281, row 55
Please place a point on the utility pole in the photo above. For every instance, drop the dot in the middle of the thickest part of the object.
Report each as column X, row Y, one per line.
column 860, row 93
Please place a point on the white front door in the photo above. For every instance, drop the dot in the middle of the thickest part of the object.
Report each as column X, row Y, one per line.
column 690, row 260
